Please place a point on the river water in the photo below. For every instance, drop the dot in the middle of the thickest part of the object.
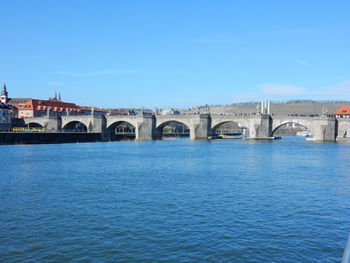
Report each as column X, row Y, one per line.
column 175, row 201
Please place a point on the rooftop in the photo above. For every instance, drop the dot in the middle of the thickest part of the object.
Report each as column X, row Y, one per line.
column 343, row 110
column 53, row 104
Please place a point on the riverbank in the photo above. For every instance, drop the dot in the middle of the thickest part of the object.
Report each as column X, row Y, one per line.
column 7, row 138
column 344, row 140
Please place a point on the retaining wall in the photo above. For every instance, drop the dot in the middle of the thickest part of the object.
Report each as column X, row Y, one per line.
column 45, row 138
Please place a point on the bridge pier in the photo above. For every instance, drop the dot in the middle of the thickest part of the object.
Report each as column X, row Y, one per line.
column 200, row 127
column 53, row 123
column 260, row 127
column 145, row 126
column 324, row 129
column 97, row 124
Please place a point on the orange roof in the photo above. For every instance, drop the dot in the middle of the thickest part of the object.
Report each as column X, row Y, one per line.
column 33, row 104
column 343, row 110
column 18, row 101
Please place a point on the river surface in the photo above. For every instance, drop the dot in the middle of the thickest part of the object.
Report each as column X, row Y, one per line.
column 175, row 201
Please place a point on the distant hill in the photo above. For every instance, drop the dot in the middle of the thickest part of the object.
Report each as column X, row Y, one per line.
column 307, row 107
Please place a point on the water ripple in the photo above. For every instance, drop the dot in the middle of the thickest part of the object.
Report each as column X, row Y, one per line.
column 175, row 201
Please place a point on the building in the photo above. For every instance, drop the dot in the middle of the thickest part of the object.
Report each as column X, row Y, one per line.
column 28, row 107
column 342, row 112
column 5, row 111
column 51, row 107
column 5, row 117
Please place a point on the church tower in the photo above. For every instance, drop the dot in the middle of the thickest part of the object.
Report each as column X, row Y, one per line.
column 4, row 95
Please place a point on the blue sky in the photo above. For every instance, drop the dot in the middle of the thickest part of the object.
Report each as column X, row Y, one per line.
column 175, row 53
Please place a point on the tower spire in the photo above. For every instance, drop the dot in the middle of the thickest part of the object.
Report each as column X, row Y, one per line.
column 4, row 95
column 4, row 91
column 59, row 95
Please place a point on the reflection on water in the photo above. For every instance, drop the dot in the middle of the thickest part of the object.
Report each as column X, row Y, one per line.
column 175, row 201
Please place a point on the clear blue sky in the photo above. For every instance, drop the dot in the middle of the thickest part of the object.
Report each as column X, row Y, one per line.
column 175, row 53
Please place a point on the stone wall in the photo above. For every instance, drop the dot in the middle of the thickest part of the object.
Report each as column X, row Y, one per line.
column 343, row 127
column 47, row 138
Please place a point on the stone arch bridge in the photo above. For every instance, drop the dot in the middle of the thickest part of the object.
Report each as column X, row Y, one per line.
column 201, row 126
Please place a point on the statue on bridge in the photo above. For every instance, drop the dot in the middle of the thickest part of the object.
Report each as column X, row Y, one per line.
column 325, row 111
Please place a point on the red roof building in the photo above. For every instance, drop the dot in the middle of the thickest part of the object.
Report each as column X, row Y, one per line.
column 28, row 107
column 40, row 108
column 343, row 112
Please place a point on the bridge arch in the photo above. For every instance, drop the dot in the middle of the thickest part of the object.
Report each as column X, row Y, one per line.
column 290, row 122
column 75, row 126
column 121, row 130
column 242, row 122
column 162, row 122
column 175, row 128
column 34, row 125
column 92, row 123
column 227, row 127
column 36, row 122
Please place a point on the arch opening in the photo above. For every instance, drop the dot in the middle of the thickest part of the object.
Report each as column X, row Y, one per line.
column 121, row 131
column 228, row 129
column 34, row 125
column 173, row 130
column 75, row 126
column 292, row 129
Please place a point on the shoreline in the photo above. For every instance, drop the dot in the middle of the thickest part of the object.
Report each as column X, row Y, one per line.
column 26, row 138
